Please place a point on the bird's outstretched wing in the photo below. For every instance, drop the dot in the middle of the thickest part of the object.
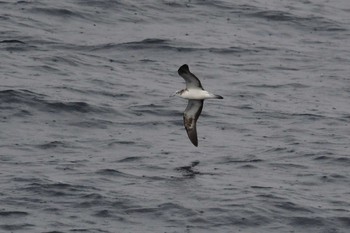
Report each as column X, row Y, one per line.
column 191, row 80
column 191, row 114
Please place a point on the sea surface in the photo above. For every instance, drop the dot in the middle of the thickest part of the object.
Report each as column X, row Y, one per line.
column 90, row 140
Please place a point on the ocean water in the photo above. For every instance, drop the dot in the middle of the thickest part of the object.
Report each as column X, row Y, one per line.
column 91, row 141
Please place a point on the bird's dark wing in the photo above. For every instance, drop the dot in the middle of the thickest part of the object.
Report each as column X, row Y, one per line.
column 191, row 80
column 191, row 114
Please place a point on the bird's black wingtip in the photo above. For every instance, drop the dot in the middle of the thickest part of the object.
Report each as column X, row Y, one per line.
column 183, row 69
column 194, row 141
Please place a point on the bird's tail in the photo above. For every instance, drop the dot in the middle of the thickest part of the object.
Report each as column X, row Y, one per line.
column 213, row 96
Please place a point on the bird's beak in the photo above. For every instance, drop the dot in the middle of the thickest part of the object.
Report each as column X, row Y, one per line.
column 172, row 94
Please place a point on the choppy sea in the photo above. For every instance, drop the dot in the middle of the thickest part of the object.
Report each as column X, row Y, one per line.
column 90, row 140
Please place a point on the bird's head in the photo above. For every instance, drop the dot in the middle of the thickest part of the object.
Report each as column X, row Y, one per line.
column 177, row 93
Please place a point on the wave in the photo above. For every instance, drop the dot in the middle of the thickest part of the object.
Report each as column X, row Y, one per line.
column 13, row 213
column 310, row 22
column 28, row 101
column 161, row 44
column 57, row 12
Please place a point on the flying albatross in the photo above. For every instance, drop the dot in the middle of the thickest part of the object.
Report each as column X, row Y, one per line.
column 196, row 95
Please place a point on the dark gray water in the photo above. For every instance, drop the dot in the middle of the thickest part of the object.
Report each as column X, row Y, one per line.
column 91, row 142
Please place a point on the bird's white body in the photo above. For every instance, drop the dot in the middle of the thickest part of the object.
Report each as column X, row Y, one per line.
column 195, row 94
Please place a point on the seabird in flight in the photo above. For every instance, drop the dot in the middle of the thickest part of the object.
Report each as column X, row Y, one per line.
column 196, row 95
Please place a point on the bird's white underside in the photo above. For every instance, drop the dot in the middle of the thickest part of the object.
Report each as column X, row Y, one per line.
column 196, row 94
